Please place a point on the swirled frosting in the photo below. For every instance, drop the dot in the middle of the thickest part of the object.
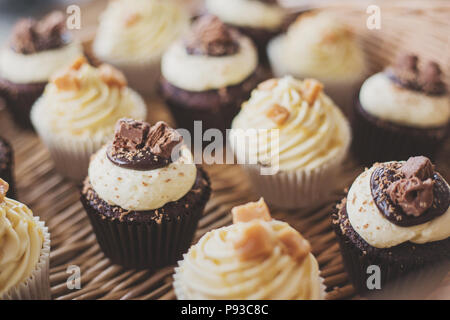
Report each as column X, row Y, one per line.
column 310, row 132
column 141, row 189
column 317, row 46
column 21, row 241
column 138, row 31
column 386, row 100
column 86, row 102
column 249, row 13
column 212, row 269
column 367, row 220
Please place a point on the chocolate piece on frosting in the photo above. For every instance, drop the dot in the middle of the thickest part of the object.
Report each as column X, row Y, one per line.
column 4, row 187
column 407, row 73
column 210, row 36
column 430, row 79
column 419, row 167
column 31, row 36
column 139, row 146
column 295, row 245
column 412, row 195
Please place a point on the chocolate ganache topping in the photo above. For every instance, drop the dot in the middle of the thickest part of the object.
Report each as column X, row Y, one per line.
column 427, row 78
column 31, row 36
column 411, row 193
column 139, row 146
column 210, row 36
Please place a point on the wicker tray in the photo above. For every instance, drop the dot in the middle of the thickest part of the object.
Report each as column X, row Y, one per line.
column 56, row 200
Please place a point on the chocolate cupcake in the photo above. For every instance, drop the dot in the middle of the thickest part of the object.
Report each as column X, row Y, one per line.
column 36, row 49
column 7, row 167
column 144, row 195
column 396, row 216
column 401, row 112
column 261, row 20
column 208, row 74
column 256, row 258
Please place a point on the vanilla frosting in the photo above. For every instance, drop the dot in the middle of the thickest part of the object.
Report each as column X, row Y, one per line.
column 317, row 46
column 36, row 67
column 21, row 241
column 367, row 220
column 138, row 31
column 138, row 189
column 311, row 136
column 88, row 111
column 202, row 72
column 384, row 99
column 212, row 270
column 248, row 13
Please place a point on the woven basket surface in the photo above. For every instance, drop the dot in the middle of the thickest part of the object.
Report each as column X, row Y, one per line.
column 420, row 29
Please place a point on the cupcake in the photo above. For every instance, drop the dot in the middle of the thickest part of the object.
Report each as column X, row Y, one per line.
column 261, row 20
column 77, row 113
column 36, row 49
column 256, row 258
column 7, row 167
column 395, row 216
column 300, row 142
column 133, row 34
column 401, row 112
column 144, row 195
column 25, row 251
column 208, row 74
column 317, row 46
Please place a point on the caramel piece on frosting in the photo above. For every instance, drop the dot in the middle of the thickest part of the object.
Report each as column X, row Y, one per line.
column 296, row 246
column 278, row 114
column 78, row 63
column 268, row 84
column 112, row 76
column 251, row 211
column 131, row 19
column 4, row 187
column 311, row 89
column 66, row 80
column 254, row 242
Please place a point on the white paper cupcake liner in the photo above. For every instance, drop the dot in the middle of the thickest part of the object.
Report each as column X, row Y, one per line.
column 296, row 189
column 71, row 156
column 37, row 285
column 181, row 294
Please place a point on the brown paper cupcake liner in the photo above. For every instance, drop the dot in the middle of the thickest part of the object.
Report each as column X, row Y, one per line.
column 144, row 245
column 37, row 285
column 380, row 141
column 149, row 239
column 214, row 108
column 399, row 279
column 19, row 98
